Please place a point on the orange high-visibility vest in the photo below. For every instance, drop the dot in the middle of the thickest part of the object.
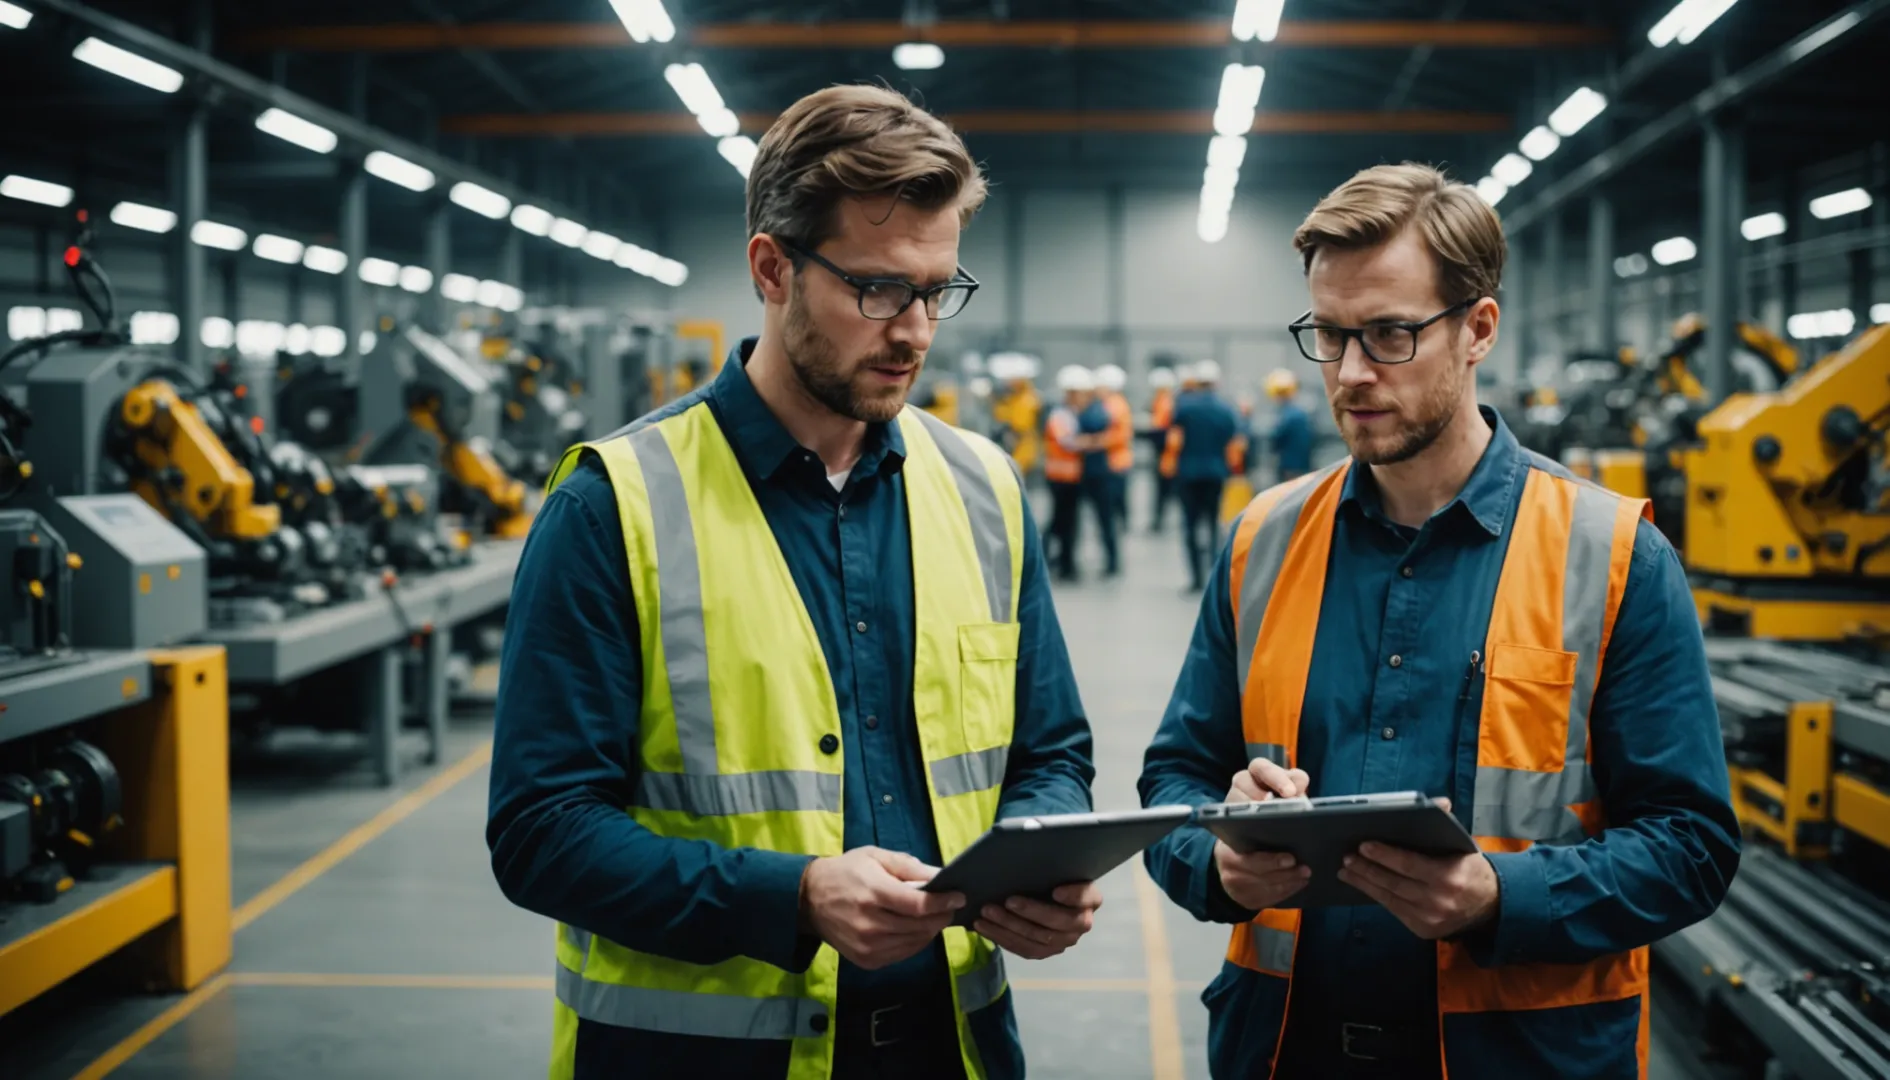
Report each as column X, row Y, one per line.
column 1061, row 465
column 1161, row 411
column 1556, row 601
column 1120, row 438
column 1171, row 454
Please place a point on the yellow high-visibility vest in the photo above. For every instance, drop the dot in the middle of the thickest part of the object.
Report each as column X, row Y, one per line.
column 738, row 737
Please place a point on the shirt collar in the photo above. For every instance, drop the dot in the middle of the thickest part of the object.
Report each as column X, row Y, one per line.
column 761, row 444
column 1486, row 497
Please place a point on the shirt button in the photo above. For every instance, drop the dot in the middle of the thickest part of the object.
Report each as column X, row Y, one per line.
column 1389, row 733
column 829, row 743
column 1406, row 572
column 1397, row 661
column 860, row 626
column 843, row 513
column 872, row 723
column 1358, row 935
column 887, row 799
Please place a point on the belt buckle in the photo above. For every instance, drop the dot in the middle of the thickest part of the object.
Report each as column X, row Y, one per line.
column 872, row 1028
column 1348, row 1031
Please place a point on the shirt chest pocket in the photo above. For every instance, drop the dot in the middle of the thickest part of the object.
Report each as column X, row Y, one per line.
column 987, row 688
column 1525, row 708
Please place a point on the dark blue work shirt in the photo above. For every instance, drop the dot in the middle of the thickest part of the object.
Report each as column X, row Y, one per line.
column 1423, row 596
column 1292, row 438
column 571, row 684
column 1095, row 420
column 1207, row 425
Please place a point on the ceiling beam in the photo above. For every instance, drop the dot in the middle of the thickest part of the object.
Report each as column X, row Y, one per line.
column 1001, row 122
column 1187, row 34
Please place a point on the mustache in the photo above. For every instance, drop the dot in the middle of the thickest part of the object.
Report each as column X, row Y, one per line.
column 1346, row 400
column 900, row 357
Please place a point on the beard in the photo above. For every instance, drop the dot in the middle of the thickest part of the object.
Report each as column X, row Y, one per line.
column 1415, row 428
column 850, row 389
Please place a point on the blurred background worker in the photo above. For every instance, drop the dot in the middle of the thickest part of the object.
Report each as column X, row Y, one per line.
column 1292, row 427
column 1119, row 441
column 1205, row 428
column 1161, row 416
column 1063, row 467
column 1094, row 422
column 1017, row 409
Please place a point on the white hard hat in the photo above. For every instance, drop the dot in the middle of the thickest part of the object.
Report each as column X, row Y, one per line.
column 1207, row 371
column 1111, row 377
column 1162, row 378
column 1076, row 378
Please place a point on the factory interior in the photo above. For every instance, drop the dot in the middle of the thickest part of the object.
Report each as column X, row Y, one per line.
column 306, row 302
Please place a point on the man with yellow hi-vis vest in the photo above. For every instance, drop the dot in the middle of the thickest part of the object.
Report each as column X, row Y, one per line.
column 778, row 651
column 1443, row 612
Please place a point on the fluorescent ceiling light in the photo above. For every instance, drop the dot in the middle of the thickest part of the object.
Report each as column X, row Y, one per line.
column 27, row 189
column 1539, row 143
column 1211, row 225
column 416, row 279
column 739, row 151
column 1810, row 325
column 296, row 340
column 459, row 288
column 640, row 260
column 149, row 219
column 25, row 323
column 601, row 245
column 1763, row 226
column 128, row 65
column 325, row 260
column 1512, row 169
column 567, row 232
column 510, row 298
column 258, row 337
column 291, row 128
column 1630, row 265
column 1675, row 249
column 720, row 123
column 217, row 332
column 215, row 234
column 380, row 272
column 693, row 86
column 277, row 249
column 1492, row 190
column 527, row 218
column 398, row 170
column 15, row 16
column 1839, row 203
column 645, row 19
column 1880, row 313
column 1574, row 114
column 671, row 273
column 366, row 342
column 1220, row 176
column 327, row 341
column 1240, row 96
column 489, row 293
column 154, row 328
column 1228, row 150
column 1257, row 19
column 59, row 320
column 482, row 201
column 1687, row 20
column 918, row 56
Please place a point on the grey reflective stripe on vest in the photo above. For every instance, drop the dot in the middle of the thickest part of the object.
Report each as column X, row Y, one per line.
column 582, row 940
column 685, row 642
column 966, row 773
column 1264, row 559
column 988, row 532
column 1273, row 752
column 981, row 986
column 1585, row 604
column 739, row 793
column 1521, row 805
column 684, row 1012
column 1272, row 949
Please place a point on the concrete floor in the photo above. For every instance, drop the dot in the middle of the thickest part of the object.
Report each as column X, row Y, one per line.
column 402, row 960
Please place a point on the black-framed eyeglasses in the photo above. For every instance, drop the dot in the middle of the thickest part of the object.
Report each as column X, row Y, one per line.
column 888, row 298
column 1384, row 342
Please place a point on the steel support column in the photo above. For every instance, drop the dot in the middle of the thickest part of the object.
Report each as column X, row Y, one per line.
column 1787, row 269
column 1117, row 267
column 1722, row 185
column 349, row 294
column 1521, row 311
column 1014, row 269
column 439, row 259
column 1551, row 277
column 190, row 184
column 1603, row 337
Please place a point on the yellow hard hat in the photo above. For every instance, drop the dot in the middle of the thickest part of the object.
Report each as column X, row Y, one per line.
column 1281, row 383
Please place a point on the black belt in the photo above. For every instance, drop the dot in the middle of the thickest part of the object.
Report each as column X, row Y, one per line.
column 1412, row 1048
column 876, row 1024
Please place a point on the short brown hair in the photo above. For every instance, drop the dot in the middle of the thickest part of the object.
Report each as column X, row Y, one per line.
column 1462, row 231
column 852, row 141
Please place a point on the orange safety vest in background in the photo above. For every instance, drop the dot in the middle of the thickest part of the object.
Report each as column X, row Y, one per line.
column 1061, row 465
column 1171, row 454
column 1121, row 434
column 1555, row 605
column 1161, row 411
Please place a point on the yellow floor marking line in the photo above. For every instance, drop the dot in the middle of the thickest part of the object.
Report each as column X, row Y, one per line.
column 359, row 837
column 392, row 982
column 153, row 1028
column 1164, row 1022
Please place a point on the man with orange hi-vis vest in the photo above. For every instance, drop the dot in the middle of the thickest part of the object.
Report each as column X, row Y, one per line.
column 1447, row 613
column 1119, row 440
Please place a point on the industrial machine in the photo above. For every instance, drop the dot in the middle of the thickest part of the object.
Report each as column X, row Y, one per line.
column 58, row 798
column 36, row 612
column 1788, row 504
column 422, row 403
column 540, row 415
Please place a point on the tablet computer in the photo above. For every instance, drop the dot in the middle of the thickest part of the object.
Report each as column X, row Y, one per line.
column 1032, row 856
column 1320, row 832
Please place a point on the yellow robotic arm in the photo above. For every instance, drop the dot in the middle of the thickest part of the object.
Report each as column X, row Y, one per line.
column 168, row 433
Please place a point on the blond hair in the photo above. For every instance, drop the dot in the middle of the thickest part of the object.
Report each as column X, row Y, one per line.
column 850, row 142
column 1461, row 230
